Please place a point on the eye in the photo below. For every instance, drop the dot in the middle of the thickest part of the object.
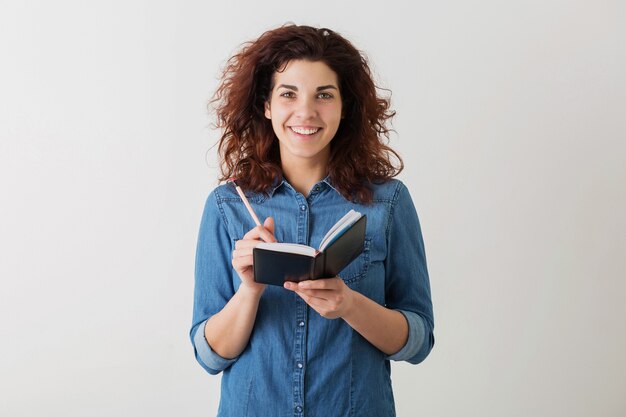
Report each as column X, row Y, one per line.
column 288, row 94
column 325, row 96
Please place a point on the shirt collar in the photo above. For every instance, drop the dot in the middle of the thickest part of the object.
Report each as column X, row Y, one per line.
column 279, row 182
column 328, row 181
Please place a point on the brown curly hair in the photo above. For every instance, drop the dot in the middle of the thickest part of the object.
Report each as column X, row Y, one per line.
column 248, row 147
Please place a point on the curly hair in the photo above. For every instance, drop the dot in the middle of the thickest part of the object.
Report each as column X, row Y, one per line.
column 248, row 147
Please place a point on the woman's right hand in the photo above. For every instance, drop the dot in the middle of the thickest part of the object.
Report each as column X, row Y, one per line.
column 242, row 255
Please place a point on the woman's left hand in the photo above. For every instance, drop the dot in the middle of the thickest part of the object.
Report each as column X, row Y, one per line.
column 330, row 297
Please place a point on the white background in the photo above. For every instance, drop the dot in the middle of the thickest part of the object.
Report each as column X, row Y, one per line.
column 511, row 121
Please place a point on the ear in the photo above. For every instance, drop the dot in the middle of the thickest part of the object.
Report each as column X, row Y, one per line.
column 268, row 112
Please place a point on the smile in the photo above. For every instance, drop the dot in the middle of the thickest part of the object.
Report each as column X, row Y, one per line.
column 304, row 130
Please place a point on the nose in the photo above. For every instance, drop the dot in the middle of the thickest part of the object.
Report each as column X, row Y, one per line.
column 306, row 108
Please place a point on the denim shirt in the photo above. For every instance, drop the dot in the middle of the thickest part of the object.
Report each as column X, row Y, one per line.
column 298, row 363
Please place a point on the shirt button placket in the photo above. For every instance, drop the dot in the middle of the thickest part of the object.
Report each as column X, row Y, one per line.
column 298, row 372
column 301, row 318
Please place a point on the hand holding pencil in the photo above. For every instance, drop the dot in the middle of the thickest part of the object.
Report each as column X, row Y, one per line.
column 242, row 255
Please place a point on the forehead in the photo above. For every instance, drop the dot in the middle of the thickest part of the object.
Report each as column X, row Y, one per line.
column 306, row 73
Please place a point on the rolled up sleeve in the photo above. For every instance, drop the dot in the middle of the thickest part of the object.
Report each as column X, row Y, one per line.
column 407, row 281
column 213, row 282
column 207, row 358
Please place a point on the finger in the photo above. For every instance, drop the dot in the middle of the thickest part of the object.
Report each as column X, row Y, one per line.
column 309, row 294
column 321, row 284
column 269, row 225
column 238, row 253
column 246, row 244
column 325, row 295
column 241, row 263
column 260, row 232
column 252, row 233
column 296, row 287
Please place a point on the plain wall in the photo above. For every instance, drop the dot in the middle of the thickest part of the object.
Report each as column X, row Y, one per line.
column 510, row 119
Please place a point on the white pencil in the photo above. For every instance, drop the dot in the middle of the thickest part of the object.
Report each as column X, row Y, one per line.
column 246, row 202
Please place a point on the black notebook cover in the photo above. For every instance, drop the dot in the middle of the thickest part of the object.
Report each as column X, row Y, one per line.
column 272, row 267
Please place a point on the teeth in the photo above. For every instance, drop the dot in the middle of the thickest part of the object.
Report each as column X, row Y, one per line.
column 304, row 131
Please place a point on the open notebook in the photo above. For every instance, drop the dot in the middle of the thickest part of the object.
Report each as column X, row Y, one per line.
column 275, row 263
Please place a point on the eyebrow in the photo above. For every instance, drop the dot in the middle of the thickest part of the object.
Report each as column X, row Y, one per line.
column 321, row 87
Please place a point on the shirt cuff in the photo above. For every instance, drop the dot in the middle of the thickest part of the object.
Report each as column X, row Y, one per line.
column 210, row 361
column 415, row 340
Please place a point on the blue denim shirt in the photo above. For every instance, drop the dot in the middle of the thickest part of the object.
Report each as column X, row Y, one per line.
column 298, row 363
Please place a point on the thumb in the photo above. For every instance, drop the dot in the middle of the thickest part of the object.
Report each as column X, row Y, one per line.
column 269, row 224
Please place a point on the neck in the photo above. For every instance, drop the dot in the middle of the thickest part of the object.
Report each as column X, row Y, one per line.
column 302, row 175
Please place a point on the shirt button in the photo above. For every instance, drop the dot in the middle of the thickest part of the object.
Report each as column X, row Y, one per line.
column 301, row 324
column 298, row 409
column 317, row 189
column 303, row 207
column 300, row 365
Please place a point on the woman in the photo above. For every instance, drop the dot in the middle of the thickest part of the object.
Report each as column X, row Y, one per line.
column 302, row 134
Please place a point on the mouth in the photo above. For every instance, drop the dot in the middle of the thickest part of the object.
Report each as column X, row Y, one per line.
column 305, row 131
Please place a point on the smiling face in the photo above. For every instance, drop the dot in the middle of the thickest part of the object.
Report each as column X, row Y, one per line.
column 305, row 110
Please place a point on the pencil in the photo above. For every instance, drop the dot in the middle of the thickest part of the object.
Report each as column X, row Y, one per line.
column 246, row 202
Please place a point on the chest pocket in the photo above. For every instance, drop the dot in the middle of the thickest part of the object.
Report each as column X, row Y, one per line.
column 357, row 269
